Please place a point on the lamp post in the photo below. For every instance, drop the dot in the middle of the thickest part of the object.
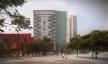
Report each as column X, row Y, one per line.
column 20, row 50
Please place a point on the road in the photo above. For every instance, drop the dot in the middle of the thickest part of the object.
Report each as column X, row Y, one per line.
column 56, row 59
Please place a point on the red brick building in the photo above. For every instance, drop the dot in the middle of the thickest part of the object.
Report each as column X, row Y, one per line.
column 16, row 41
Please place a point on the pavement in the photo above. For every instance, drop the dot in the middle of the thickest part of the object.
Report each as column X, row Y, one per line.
column 58, row 59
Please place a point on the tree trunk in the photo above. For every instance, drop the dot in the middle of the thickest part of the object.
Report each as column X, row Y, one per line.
column 92, row 54
column 77, row 53
column 96, row 54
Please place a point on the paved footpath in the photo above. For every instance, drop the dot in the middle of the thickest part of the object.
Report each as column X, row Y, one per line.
column 71, row 59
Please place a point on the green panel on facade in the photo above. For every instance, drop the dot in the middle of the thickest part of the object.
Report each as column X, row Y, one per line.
column 61, row 21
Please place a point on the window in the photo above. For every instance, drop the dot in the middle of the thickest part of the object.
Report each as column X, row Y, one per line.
column 44, row 22
column 44, row 29
column 38, row 20
column 49, row 33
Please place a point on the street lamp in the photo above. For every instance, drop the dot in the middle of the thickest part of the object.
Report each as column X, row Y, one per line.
column 20, row 51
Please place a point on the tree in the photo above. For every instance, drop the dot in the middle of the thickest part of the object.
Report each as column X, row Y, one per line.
column 99, row 41
column 9, row 15
column 95, row 41
column 6, row 7
column 75, row 44
column 43, row 46
column 5, row 47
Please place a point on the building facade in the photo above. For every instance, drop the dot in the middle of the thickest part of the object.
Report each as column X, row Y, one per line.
column 51, row 23
column 45, row 23
column 71, row 27
column 16, row 41
column 54, row 25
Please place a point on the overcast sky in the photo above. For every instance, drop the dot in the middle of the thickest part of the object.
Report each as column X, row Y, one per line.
column 91, row 14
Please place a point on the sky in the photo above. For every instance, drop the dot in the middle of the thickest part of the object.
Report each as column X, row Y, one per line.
column 91, row 14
